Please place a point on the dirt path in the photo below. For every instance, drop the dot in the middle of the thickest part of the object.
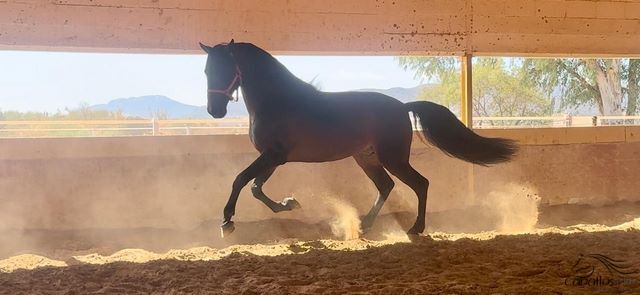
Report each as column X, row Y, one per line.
column 266, row 258
column 504, row 264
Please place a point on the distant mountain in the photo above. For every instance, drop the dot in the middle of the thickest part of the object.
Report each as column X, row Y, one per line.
column 162, row 106
column 399, row 93
column 153, row 105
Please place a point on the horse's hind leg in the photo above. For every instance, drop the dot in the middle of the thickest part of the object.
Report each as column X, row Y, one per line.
column 256, row 188
column 368, row 161
column 398, row 165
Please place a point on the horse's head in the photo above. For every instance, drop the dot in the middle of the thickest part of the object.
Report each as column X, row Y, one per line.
column 223, row 78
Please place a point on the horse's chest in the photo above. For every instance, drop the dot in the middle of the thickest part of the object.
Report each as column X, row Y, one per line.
column 265, row 136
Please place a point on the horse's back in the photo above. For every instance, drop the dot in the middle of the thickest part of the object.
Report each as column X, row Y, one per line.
column 340, row 124
column 375, row 111
column 388, row 122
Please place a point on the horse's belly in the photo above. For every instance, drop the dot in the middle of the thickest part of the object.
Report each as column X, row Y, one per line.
column 326, row 148
column 308, row 139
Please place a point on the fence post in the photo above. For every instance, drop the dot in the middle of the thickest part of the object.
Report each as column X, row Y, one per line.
column 568, row 120
column 466, row 105
column 155, row 126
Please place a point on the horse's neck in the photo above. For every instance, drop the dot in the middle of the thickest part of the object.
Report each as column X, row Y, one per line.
column 265, row 81
column 251, row 100
column 259, row 97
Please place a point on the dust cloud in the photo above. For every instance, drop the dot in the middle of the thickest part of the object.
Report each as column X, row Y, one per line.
column 508, row 208
column 346, row 222
column 515, row 207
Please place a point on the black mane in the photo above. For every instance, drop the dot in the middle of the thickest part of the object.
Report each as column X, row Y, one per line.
column 262, row 64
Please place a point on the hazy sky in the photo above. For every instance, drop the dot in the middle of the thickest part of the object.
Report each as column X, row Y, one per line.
column 47, row 81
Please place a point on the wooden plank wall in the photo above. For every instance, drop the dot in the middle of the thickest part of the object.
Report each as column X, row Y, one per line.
column 183, row 181
column 502, row 27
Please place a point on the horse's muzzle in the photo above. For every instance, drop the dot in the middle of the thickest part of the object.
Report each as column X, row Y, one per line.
column 219, row 113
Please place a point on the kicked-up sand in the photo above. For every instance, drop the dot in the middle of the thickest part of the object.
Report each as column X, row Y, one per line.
column 579, row 259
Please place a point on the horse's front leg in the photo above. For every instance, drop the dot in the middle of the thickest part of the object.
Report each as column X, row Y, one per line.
column 287, row 204
column 265, row 162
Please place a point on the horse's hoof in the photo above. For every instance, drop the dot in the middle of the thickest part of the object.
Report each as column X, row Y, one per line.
column 414, row 232
column 364, row 229
column 291, row 203
column 227, row 228
column 365, row 225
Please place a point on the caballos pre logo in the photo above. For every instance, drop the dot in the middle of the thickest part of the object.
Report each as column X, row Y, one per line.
column 597, row 270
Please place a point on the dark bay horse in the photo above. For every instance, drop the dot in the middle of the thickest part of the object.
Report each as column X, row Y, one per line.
column 291, row 121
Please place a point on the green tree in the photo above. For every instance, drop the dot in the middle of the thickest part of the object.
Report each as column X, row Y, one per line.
column 500, row 86
column 442, row 75
column 500, row 89
column 609, row 84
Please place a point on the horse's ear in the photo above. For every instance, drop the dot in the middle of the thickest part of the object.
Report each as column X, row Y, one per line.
column 205, row 47
column 231, row 41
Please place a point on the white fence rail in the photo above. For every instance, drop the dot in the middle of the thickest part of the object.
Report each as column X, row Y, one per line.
column 90, row 128
column 154, row 127
column 553, row 121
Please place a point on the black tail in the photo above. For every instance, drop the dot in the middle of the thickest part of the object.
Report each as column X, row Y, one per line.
column 442, row 129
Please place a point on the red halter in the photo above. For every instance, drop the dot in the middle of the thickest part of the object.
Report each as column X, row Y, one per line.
column 236, row 82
